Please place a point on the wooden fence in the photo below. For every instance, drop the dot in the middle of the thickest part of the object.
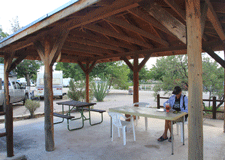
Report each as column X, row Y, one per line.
column 214, row 100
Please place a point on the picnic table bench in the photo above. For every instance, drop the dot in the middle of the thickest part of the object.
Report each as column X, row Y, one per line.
column 80, row 107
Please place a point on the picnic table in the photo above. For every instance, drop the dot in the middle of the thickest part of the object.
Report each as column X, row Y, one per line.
column 150, row 113
column 79, row 107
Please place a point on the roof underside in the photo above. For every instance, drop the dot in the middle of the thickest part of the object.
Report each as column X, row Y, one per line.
column 107, row 30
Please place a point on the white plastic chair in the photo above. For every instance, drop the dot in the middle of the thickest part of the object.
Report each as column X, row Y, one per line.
column 117, row 122
column 142, row 104
column 179, row 124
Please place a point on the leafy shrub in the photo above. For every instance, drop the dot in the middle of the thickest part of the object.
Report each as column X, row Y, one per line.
column 100, row 90
column 31, row 106
column 77, row 90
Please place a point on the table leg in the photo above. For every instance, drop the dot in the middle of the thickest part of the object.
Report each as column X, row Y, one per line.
column 110, row 126
column 172, row 138
column 183, row 128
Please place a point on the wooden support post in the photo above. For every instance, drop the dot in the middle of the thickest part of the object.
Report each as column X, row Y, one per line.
column 87, row 70
column 195, row 108
column 7, row 109
column 9, row 130
column 49, row 52
column 49, row 127
column 158, row 101
column 87, row 82
column 136, row 80
column 214, row 108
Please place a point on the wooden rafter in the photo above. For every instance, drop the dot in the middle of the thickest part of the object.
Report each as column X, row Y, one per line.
column 92, row 66
column 211, row 14
column 81, row 50
column 9, row 57
column 137, row 30
column 143, row 62
column 56, row 50
column 40, row 50
column 176, row 8
column 214, row 55
column 105, row 31
column 166, row 19
column 128, row 63
column 87, row 47
column 204, row 10
column 95, row 44
column 150, row 20
column 82, row 66
column 102, row 40
column 16, row 62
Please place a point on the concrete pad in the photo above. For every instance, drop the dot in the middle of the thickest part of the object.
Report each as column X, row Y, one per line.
column 94, row 142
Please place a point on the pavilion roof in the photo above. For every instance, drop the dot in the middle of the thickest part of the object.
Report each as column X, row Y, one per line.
column 111, row 30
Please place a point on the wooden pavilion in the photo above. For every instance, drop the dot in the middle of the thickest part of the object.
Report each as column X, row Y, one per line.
column 88, row 32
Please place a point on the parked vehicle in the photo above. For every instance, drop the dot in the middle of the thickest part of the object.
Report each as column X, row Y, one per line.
column 17, row 92
column 57, row 84
column 24, row 82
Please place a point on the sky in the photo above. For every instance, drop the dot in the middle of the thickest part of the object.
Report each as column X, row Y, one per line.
column 30, row 10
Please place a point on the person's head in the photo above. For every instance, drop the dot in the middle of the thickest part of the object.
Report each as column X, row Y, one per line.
column 177, row 91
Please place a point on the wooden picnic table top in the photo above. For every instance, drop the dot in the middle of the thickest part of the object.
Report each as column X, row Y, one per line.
column 76, row 103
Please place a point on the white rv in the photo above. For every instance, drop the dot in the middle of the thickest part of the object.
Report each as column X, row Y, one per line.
column 57, row 84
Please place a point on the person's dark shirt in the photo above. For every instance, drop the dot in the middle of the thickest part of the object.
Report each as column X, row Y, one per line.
column 176, row 105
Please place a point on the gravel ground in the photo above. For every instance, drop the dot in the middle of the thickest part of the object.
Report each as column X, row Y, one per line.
column 93, row 142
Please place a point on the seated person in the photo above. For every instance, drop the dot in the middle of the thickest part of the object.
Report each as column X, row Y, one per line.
column 178, row 102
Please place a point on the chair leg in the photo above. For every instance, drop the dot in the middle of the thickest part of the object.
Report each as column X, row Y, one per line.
column 112, row 133
column 132, row 121
column 118, row 132
column 181, row 132
column 124, row 135
column 146, row 123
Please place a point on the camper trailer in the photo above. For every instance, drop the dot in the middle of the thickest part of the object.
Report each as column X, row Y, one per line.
column 57, row 84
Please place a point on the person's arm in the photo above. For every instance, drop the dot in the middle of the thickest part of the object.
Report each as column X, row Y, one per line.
column 168, row 101
column 186, row 104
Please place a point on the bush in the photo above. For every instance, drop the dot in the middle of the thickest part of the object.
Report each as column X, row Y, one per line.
column 77, row 90
column 100, row 90
column 31, row 106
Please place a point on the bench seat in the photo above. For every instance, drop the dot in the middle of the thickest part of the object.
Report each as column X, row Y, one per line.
column 62, row 116
column 95, row 110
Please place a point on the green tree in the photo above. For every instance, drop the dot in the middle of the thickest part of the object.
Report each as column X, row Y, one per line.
column 115, row 72
column 144, row 74
column 213, row 78
column 171, row 71
column 28, row 69
column 71, row 70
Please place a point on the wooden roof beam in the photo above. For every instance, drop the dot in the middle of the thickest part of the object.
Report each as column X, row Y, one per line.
column 135, row 29
column 98, row 50
column 105, row 31
column 81, row 50
column 102, row 40
column 95, row 44
column 150, row 20
column 166, row 19
column 211, row 14
column 176, row 8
